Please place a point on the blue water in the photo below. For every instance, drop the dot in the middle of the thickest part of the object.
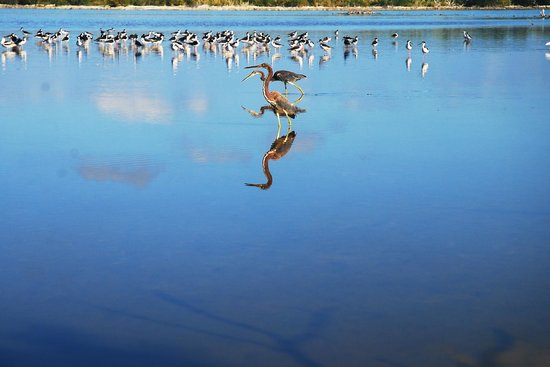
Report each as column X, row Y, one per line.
column 408, row 224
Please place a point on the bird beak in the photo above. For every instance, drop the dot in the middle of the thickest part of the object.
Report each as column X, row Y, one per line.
column 249, row 75
column 252, row 67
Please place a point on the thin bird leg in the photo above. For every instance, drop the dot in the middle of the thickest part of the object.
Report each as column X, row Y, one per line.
column 278, row 125
column 289, row 120
column 300, row 89
column 288, row 132
column 286, row 89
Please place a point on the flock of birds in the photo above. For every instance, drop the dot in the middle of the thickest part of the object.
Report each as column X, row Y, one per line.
column 183, row 39
column 227, row 42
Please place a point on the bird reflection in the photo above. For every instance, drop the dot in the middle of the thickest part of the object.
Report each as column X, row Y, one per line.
column 279, row 148
column 424, row 69
column 408, row 63
column 13, row 53
column 349, row 51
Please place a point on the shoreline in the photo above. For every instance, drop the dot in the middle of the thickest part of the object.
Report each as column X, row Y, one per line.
column 359, row 10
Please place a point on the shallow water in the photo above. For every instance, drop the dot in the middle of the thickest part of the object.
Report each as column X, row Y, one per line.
column 408, row 225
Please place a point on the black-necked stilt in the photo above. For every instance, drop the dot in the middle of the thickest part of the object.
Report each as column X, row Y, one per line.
column 351, row 41
column 395, row 35
column 276, row 43
column 326, row 47
column 177, row 46
column 374, row 42
column 409, row 45
column 467, row 37
column 425, row 49
column 25, row 33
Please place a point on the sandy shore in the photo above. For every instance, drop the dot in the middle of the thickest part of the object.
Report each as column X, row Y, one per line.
column 351, row 10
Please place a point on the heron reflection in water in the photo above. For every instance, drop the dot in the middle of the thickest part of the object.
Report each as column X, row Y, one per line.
column 279, row 148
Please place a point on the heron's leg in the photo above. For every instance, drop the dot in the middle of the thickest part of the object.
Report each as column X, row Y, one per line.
column 278, row 125
column 286, row 89
column 289, row 120
column 289, row 127
column 301, row 91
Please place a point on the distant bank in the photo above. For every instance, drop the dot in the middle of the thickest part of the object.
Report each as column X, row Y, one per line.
column 346, row 10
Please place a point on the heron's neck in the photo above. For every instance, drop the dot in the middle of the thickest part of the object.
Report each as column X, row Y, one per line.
column 265, row 165
column 267, row 80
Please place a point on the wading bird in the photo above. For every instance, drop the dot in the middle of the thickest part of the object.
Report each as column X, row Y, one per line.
column 425, row 49
column 288, row 77
column 280, row 103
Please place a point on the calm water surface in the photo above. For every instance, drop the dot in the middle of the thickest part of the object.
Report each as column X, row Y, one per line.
column 408, row 224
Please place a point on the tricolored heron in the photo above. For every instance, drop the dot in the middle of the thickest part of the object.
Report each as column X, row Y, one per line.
column 288, row 77
column 279, row 103
column 280, row 147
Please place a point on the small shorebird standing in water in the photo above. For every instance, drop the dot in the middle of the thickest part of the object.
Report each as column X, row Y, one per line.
column 467, row 37
column 409, row 46
column 374, row 42
column 425, row 48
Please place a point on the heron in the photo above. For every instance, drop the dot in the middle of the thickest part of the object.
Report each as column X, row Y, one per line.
column 288, row 77
column 279, row 148
column 280, row 103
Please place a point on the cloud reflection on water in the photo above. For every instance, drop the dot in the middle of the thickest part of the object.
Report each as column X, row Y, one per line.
column 135, row 107
column 138, row 174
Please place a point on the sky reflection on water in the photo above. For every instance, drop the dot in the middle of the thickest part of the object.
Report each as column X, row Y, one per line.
column 406, row 225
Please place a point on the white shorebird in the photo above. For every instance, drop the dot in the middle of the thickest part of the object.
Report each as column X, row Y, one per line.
column 425, row 49
column 276, row 43
column 351, row 41
column 374, row 42
column 325, row 46
column 409, row 45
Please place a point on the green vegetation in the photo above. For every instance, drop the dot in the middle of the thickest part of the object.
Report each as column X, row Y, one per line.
column 284, row 3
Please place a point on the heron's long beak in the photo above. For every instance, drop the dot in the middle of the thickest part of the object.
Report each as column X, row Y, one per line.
column 249, row 75
column 253, row 67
